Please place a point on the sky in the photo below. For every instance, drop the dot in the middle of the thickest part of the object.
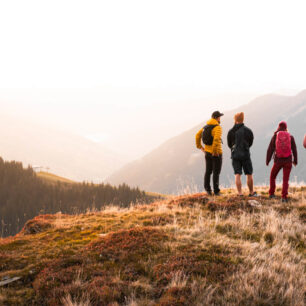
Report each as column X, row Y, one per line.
column 132, row 74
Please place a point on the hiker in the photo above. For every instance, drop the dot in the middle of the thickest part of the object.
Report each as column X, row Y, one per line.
column 211, row 137
column 239, row 139
column 282, row 146
column 304, row 143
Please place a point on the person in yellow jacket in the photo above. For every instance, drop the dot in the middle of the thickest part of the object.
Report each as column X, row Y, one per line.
column 211, row 136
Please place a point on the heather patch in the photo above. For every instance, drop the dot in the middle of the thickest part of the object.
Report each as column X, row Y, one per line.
column 213, row 262
column 125, row 244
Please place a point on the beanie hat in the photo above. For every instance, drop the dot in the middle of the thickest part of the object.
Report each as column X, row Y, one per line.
column 239, row 117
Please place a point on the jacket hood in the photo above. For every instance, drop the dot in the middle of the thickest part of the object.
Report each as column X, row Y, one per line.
column 237, row 126
column 212, row 121
column 281, row 127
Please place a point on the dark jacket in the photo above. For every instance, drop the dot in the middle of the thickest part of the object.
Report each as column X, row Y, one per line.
column 271, row 152
column 248, row 137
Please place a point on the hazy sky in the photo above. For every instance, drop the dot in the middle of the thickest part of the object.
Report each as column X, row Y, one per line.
column 134, row 73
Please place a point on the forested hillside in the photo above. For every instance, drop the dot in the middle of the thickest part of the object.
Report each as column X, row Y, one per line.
column 23, row 195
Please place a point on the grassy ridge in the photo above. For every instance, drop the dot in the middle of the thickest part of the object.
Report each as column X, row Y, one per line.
column 188, row 250
column 52, row 178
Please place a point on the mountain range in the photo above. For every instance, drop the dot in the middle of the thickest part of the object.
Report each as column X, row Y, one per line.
column 177, row 165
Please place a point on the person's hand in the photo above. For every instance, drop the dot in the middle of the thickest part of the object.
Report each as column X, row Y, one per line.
column 267, row 163
column 202, row 149
column 294, row 164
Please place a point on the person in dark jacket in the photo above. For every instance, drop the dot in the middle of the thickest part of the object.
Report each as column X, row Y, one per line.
column 239, row 139
column 284, row 163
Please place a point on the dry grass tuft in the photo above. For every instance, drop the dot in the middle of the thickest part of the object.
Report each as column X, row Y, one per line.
column 38, row 224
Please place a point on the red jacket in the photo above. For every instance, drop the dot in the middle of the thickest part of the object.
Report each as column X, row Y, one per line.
column 271, row 152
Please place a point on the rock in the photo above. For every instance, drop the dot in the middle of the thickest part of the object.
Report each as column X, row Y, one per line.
column 7, row 280
column 254, row 203
column 102, row 235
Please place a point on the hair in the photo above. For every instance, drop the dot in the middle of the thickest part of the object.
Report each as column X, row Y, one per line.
column 239, row 117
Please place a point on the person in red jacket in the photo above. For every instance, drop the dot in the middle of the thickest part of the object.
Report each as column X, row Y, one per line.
column 304, row 143
column 283, row 147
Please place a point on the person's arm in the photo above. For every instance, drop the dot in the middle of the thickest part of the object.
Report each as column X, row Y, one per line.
column 198, row 139
column 230, row 138
column 294, row 151
column 217, row 142
column 251, row 138
column 304, row 143
column 270, row 150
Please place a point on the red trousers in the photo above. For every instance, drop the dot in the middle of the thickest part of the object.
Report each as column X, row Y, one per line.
column 286, row 166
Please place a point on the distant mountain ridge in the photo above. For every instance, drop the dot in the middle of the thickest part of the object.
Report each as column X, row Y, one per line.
column 177, row 166
column 66, row 154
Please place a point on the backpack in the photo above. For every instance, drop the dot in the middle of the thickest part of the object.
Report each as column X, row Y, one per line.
column 241, row 149
column 283, row 144
column 207, row 137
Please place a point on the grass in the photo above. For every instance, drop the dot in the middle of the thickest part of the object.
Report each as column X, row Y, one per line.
column 186, row 250
column 52, row 178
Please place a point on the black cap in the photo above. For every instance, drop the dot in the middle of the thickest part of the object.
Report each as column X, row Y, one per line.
column 216, row 114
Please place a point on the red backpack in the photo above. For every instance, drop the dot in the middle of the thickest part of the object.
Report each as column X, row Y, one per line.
column 283, row 144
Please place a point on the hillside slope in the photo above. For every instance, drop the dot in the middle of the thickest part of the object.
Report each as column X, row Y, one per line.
column 52, row 178
column 177, row 165
column 189, row 250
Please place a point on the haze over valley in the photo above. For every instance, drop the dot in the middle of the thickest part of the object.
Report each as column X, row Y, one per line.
column 55, row 150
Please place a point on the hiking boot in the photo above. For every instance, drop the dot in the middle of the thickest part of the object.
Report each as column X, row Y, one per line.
column 254, row 194
column 285, row 200
column 272, row 196
column 209, row 193
column 218, row 194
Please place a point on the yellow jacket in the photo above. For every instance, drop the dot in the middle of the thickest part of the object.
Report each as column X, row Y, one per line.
column 216, row 147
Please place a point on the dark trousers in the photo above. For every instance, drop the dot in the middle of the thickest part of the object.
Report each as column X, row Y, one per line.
column 213, row 166
column 286, row 174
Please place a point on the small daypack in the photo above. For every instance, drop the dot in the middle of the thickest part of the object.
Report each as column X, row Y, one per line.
column 241, row 150
column 283, row 144
column 207, row 137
